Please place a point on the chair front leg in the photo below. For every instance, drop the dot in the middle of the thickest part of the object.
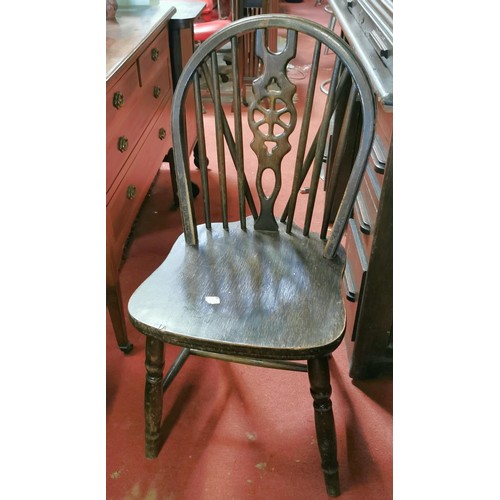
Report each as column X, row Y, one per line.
column 153, row 397
column 319, row 379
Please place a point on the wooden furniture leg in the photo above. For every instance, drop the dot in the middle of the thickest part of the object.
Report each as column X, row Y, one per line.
column 170, row 159
column 319, row 378
column 196, row 156
column 114, row 304
column 115, row 309
column 153, row 398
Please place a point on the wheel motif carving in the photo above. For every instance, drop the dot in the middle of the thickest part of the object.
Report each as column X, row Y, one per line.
column 272, row 118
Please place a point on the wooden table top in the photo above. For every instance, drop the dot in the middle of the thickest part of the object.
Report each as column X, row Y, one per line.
column 128, row 33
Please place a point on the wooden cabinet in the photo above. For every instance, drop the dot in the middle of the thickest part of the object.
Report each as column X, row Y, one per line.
column 367, row 28
column 138, row 101
column 368, row 275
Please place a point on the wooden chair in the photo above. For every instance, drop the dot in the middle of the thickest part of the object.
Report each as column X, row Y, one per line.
column 257, row 290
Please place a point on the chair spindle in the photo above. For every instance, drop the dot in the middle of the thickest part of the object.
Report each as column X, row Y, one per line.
column 229, row 140
column 318, row 158
column 202, row 150
column 238, row 131
column 299, row 162
column 221, row 155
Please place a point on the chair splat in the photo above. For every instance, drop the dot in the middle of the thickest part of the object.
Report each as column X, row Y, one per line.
column 272, row 118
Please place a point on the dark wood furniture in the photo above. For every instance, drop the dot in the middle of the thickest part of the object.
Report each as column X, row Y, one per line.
column 145, row 50
column 368, row 276
column 259, row 290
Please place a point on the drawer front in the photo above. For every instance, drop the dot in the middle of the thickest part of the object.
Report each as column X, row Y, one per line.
column 356, row 256
column 155, row 70
column 142, row 168
column 373, row 183
column 350, row 312
column 383, row 127
column 121, row 98
column 357, row 265
column 378, row 155
column 371, row 205
column 364, row 224
column 379, row 174
column 122, row 130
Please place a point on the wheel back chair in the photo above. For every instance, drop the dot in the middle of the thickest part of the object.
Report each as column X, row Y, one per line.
column 257, row 290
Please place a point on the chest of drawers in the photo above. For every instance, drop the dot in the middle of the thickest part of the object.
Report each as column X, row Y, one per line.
column 138, row 100
column 368, row 274
column 367, row 27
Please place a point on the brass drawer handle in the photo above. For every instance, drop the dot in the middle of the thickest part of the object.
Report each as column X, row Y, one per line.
column 118, row 100
column 156, row 91
column 131, row 192
column 155, row 54
column 122, row 143
column 162, row 134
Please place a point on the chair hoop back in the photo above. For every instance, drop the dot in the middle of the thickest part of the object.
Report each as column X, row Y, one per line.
column 272, row 118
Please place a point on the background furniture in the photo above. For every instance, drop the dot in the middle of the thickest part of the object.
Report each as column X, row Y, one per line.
column 140, row 75
column 207, row 25
column 253, row 8
column 367, row 26
column 259, row 290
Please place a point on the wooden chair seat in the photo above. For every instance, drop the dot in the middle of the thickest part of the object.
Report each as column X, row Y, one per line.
column 269, row 301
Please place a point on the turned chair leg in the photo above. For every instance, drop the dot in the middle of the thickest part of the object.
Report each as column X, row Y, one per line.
column 319, row 379
column 153, row 397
